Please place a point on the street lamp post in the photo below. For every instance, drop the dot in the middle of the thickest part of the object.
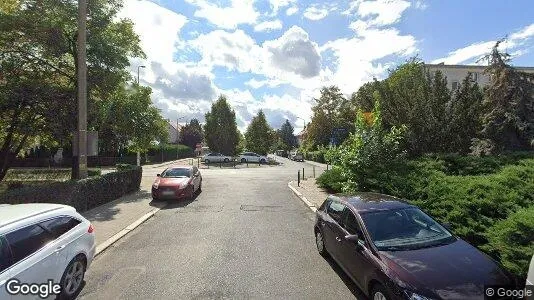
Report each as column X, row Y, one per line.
column 138, row 73
column 138, row 153
column 303, row 121
column 81, row 165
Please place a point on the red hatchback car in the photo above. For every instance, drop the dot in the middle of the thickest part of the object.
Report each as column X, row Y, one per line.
column 177, row 182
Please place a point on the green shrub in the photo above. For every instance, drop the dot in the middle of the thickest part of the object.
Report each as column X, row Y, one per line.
column 332, row 180
column 168, row 152
column 512, row 240
column 83, row 194
column 124, row 167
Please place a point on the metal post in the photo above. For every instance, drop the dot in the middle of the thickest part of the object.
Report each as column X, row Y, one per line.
column 298, row 178
column 303, row 174
column 327, row 167
column 313, row 171
column 82, row 90
column 198, row 162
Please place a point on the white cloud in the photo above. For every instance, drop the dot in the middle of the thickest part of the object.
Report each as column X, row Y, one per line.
column 292, row 10
column 227, row 17
column 383, row 12
column 476, row 50
column 420, row 4
column 315, row 13
column 276, row 5
column 268, row 26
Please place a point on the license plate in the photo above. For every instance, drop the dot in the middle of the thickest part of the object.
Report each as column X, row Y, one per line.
column 167, row 193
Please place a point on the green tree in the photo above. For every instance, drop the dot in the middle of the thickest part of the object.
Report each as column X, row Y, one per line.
column 287, row 137
column 220, row 129
column 191, row 134
column 508, row 119
column 258, row 136
column 331, row 110
column 364, row 98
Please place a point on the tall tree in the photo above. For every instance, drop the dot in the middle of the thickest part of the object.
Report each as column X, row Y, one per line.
column 258, row 136
column 508, row 120
column 287, row 137
column 220, row 129
column 332, row 110
column 191, row 134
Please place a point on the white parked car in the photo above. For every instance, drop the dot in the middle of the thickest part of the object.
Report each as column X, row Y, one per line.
column 252, row 157
column 215, row 157
column 43, row 244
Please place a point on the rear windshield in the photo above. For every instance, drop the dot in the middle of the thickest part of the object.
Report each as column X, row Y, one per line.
column 176, row 173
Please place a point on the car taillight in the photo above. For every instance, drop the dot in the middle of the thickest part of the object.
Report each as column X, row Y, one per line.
column 91, row 228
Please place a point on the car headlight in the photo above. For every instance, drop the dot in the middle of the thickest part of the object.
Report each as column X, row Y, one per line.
column 414, row 296
column 155, row 185
column 183, row 185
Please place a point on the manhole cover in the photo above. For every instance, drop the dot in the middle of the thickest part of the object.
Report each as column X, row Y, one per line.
column 261, row 208
column 200, row 208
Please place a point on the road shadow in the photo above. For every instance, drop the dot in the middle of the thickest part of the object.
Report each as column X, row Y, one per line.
column 107, row 211
column 173, row 203
column 353, row 288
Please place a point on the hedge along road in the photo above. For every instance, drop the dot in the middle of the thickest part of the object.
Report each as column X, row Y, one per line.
column 245, row 236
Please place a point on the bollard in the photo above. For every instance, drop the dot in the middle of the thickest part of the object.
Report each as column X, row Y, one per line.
column 327, row 167
column 298, row 179
column 247, row 163
column 220, row 164
column 313, row 171
column 198, row 162
column 303, row 177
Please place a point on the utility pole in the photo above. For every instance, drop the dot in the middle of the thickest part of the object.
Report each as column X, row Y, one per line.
column 82, row 91
column 138, row 153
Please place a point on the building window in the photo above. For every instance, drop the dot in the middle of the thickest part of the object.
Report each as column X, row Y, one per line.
column 455, row 85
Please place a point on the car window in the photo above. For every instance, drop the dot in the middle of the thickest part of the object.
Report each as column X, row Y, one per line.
column 351, row 223
column 176, row 173
column 5, row 255
column 26, row 241
column 59, row 226
column 335, row 210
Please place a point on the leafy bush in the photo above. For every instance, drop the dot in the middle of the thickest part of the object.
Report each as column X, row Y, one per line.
column 512, row 240
column 45, row 174
column 83, row 194
column 332, row 180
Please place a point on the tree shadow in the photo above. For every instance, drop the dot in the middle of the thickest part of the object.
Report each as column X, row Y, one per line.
column 353, row 288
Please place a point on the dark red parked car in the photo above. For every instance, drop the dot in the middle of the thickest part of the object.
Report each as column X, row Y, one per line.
column 177, row 182
column 392, row 250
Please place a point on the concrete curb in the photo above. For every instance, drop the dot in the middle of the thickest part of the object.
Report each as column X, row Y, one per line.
column 106, row 244
column 301, row 197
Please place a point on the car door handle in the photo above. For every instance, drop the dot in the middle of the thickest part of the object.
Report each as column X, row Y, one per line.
column 60, row 248
column 338, row 239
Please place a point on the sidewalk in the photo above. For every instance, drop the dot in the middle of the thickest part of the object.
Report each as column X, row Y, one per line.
column 115, row 219
column 309, row 192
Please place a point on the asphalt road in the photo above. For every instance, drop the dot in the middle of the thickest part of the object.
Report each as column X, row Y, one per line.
column 246, row 236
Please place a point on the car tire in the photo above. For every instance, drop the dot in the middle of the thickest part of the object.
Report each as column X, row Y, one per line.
column 155, row 198
column 191, row 195
column 226, row 160
column 243, row 160
column 207, row 161
column 262, row 161
column 378, row 292
column 319, row 242
column 73, row 274
column 200, row 187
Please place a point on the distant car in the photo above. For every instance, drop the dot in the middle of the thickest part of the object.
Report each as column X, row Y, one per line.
column 252, row 157
column 393, row 250
column 297, row 156
column 177, row 182
column 41, row 242
column 215, row 157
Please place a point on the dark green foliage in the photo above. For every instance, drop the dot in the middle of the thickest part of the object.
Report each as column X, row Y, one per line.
column 512, row 240
column 27, row 174
column 331, row 180
column 83, row 194
column 191, row 134
column 168, row 152
column 286, row 137
column 258, row 137
column 221, row 128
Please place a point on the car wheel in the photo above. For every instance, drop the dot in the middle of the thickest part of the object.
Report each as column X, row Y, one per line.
column 262, row 161
column 379, row 293
column 319, row 242
column 207, row 161
column 72, row 279
column 200, row 187
column 243, row 160
column 226, row 160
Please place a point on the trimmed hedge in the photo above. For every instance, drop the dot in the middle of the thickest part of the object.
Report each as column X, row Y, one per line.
column 83, row 194
column 44, row 174
column 169, row 152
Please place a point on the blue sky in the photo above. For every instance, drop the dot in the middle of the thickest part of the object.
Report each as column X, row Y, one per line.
column 275, row 55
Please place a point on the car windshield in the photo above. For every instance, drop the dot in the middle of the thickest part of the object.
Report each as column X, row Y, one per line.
column 176, row 173
column 404, row 229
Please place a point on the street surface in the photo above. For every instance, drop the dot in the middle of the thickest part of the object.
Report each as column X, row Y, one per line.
column 246, row 236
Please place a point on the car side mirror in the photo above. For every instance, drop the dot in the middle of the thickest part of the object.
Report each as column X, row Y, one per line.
column 159, row 175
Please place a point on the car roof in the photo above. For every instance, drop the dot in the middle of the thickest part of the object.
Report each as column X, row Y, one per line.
column 180, row 167
column 365, row 202
column 16, row 212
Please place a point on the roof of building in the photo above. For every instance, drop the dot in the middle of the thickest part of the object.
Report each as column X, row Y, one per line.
column 17, row 212
column 363, row 202
column 480, row 67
